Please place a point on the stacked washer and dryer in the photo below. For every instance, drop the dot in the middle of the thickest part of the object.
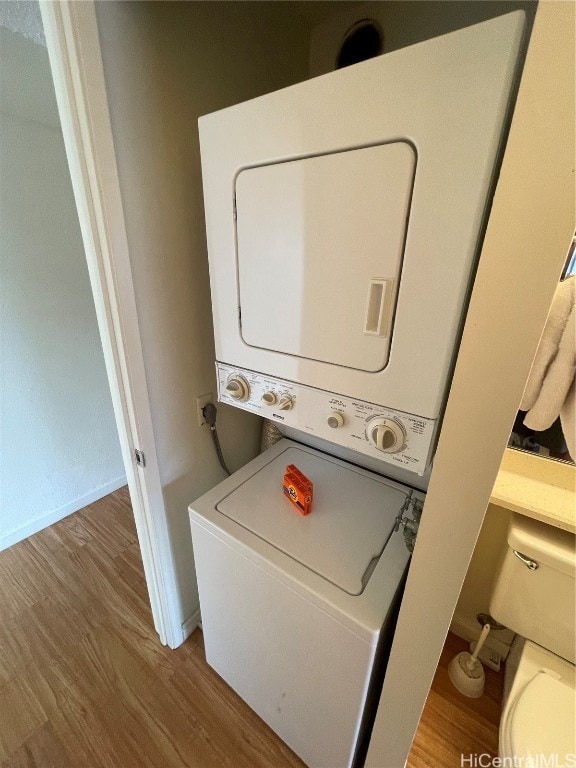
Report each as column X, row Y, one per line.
column 344, row 216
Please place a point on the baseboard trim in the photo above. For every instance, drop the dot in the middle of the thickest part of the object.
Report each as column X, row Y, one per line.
column 49, row 518
column 193, row 621
column 465, row 628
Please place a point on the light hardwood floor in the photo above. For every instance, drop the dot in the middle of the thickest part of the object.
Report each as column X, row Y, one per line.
column 84, row 682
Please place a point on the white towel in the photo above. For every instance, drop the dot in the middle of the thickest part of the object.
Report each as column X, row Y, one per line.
column 550, row 389
column 562, row 305
column 568, row 421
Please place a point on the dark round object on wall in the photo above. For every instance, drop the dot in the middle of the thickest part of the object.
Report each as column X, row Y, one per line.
column 364, row 40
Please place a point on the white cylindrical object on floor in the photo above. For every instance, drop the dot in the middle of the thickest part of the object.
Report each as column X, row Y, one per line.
column 466, row 672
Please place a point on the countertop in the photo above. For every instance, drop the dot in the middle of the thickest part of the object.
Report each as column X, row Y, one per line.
column 536, row 487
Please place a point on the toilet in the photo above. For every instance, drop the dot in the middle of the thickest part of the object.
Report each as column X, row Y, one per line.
column 535, row 596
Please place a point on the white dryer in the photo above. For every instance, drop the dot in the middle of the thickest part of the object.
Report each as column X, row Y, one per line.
column 296, row 609
column 344, row 216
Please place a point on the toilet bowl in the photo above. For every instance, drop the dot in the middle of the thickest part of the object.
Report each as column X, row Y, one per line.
column 539, row 713
column 535, row 595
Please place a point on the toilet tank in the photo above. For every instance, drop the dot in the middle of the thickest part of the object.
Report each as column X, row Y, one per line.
column 535, row 586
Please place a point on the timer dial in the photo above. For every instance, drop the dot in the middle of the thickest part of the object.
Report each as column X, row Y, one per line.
column 387, row 435
column 237, row 387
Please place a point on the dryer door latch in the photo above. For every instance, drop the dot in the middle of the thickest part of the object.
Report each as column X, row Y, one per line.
column 409, row 523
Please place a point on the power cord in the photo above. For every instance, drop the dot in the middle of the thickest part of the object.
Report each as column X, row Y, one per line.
column 209, row 412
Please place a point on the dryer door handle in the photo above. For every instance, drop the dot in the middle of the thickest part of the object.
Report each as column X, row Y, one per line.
column 379, row 294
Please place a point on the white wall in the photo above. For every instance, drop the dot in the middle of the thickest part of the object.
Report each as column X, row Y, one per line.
column 478, row 585
column 165, row 64
column 58, row 440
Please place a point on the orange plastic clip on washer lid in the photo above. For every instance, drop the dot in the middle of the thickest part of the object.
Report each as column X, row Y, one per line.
column 298, row 489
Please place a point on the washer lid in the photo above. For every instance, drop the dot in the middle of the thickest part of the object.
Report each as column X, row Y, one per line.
column 352, row 516
column 543, row 719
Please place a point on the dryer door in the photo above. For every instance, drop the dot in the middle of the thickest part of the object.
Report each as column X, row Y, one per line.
column 320, row 242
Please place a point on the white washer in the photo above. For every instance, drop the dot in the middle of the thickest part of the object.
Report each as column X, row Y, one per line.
column 296, row 609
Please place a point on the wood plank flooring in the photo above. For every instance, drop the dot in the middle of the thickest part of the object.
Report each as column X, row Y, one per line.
column 84, row 682
column 452, row 724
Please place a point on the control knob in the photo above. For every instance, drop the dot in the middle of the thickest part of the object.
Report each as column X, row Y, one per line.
column 335, row 420
column 387, row 435
column 269, row 398
column 285, row 403
column 237, row 387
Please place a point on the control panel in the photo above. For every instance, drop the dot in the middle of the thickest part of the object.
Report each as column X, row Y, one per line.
column 398, row 438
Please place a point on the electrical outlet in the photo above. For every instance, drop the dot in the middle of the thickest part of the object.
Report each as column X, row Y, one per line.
column 200, row 403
